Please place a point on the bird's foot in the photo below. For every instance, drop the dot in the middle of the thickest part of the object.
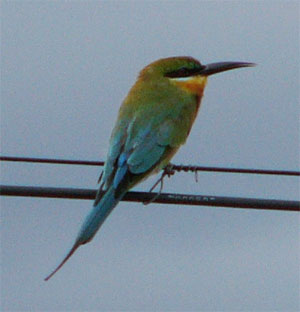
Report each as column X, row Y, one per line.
column 168, row 171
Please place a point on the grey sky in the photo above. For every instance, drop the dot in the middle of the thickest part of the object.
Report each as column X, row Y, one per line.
column 66, row 66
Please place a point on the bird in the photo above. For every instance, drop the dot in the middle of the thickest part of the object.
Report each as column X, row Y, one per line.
column 154, row 120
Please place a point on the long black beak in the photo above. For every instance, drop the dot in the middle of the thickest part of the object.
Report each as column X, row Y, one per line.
column 215, row 68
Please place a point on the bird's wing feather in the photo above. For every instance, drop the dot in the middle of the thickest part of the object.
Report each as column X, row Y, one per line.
column 145, row 153
column 117, row 141
column 137, row 148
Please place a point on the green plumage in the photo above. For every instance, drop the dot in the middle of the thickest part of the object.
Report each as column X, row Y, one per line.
column 153, row 121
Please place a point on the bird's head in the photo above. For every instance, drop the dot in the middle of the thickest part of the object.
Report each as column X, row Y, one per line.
column 187, row 72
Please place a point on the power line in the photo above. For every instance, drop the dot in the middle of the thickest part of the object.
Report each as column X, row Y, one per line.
column 184, row 168
column 163, row 198
column 51, row 161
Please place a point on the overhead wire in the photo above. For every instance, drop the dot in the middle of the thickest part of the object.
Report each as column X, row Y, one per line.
column 162, row 198
column 184, row 168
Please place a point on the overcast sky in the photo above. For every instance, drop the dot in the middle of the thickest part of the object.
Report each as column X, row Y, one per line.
column 66, row 66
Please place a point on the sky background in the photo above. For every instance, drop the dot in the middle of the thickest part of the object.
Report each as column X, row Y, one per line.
column 65, row 68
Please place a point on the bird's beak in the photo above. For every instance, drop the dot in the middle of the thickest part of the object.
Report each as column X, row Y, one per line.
column 215, row 68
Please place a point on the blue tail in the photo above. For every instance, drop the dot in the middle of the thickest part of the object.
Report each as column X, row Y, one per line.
column 92, row 223
column 97, row 216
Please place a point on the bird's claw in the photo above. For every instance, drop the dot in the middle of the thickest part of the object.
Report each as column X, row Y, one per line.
column 168, row 171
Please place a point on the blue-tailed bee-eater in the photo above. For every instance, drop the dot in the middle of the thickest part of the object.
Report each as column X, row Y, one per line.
column 154, row 120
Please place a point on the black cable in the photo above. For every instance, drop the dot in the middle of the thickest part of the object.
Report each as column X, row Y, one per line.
column 163, row 198
column 51, row 161
column 174, row 167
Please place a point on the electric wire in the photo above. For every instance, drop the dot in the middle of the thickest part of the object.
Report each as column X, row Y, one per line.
column 184, row 168
column 162, row 198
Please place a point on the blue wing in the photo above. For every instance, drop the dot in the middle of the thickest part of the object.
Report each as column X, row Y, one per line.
column 136, row 149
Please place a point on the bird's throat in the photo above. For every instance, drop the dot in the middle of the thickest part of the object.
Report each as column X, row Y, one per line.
column 194, row 84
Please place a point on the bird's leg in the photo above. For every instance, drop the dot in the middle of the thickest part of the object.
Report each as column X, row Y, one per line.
column 168, row 171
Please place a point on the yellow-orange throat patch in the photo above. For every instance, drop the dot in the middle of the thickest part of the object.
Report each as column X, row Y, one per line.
column 194, row 84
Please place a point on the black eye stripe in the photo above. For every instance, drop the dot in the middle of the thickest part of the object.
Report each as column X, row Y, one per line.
column 183, row 72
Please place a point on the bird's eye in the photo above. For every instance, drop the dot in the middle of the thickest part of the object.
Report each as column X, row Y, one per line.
column 183, row 72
